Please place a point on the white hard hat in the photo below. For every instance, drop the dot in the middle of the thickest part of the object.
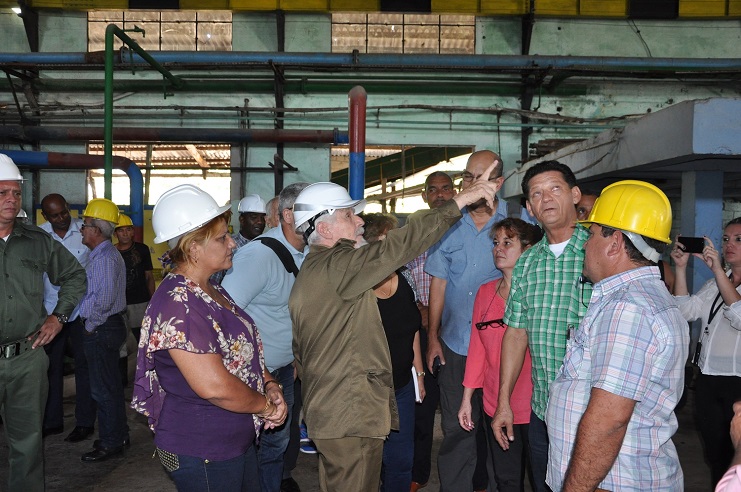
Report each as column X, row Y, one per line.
column 251, row 203
column 8, row 170
column 183, row 209
column 320, row 198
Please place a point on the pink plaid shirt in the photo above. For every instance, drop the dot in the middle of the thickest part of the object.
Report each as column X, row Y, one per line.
column 422, row 279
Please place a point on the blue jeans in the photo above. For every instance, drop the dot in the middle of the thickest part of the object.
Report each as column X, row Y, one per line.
column 538, row 443
column 398, row 450
column 273, row 443
column 424, row 421
column 101, row 352
column 199, row 475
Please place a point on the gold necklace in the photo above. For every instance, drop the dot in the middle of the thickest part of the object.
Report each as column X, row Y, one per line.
column 390, row 281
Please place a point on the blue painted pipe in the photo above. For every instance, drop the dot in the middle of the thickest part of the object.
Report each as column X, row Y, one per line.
column 422, row 61
column 59, row 160
column 374, row 60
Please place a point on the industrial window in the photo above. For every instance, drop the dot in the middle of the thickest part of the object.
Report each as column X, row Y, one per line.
column 183, row 30
column 403, row 33
column 162, row 163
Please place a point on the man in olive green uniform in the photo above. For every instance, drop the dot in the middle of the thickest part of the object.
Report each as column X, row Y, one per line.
column 341, row 351
column 26, row 253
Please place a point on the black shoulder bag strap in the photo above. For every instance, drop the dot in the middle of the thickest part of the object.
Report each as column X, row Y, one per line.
column 283, row 254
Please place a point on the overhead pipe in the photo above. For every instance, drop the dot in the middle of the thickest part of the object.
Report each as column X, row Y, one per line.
column 387, row 61
column 357, row 99
column 308, row 85
column 191, row 135
column 67, row 161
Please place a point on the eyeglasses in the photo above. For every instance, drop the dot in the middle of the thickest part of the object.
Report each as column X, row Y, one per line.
column 468, row 177
column 496, row 323
column 83, row 226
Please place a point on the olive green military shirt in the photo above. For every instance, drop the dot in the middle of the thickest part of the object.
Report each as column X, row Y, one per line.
column 338, row 339
column 25, row 256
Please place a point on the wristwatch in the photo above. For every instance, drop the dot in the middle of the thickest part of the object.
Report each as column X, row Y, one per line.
column 63, row 318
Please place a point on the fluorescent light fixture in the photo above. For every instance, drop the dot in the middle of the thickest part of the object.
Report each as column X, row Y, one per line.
column 16, row 10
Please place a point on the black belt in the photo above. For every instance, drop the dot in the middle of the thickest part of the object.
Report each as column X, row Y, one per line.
column 10, row 350
column 122, row 313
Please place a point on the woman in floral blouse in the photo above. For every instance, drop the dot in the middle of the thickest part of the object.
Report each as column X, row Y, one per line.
column 200, row 376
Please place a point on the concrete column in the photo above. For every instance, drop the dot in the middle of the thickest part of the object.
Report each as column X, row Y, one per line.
column 701, row 215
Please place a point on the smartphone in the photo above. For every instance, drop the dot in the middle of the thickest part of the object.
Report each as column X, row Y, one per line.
column 692, row 244
column 436, row 366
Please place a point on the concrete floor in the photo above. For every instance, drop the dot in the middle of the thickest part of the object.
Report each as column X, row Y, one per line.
column 137, row 469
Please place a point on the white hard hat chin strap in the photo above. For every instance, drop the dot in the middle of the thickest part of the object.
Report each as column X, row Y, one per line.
column 312, row 223
column 647, row 251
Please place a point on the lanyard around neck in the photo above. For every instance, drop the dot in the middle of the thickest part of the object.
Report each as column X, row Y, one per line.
column 715, row 307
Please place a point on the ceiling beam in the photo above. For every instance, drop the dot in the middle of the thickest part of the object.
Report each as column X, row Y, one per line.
column 193, row 151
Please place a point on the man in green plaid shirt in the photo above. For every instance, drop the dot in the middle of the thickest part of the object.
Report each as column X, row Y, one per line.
column 548, row 299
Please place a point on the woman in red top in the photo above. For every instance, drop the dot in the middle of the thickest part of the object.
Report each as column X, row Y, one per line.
column 511, row 237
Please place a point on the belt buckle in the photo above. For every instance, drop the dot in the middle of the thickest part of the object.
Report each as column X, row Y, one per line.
column 10, row 350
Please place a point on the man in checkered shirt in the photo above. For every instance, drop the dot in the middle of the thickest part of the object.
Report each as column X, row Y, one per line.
column 546, row 298
column 611, row 409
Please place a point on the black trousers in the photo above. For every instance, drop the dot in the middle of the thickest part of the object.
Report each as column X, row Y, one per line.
column 54, row 411
column 714, row 398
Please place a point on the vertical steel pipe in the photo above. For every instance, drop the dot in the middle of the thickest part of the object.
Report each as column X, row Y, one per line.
column 356, row 173
column 111, row 31
column 108, row 113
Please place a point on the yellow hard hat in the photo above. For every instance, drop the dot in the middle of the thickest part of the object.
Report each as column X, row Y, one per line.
column 102, row 208
column 124, row 221
column 634, row 206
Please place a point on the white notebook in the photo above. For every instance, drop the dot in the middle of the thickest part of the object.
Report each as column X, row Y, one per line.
column 417, row 396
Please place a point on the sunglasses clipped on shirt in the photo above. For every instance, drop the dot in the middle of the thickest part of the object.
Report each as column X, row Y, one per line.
column 495, row 323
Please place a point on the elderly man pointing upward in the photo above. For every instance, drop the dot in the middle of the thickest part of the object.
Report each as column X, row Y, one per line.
column 338, row 340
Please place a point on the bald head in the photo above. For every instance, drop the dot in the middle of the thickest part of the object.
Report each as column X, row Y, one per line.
column 55, row 210
column 482, row 159
column 477, row 163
